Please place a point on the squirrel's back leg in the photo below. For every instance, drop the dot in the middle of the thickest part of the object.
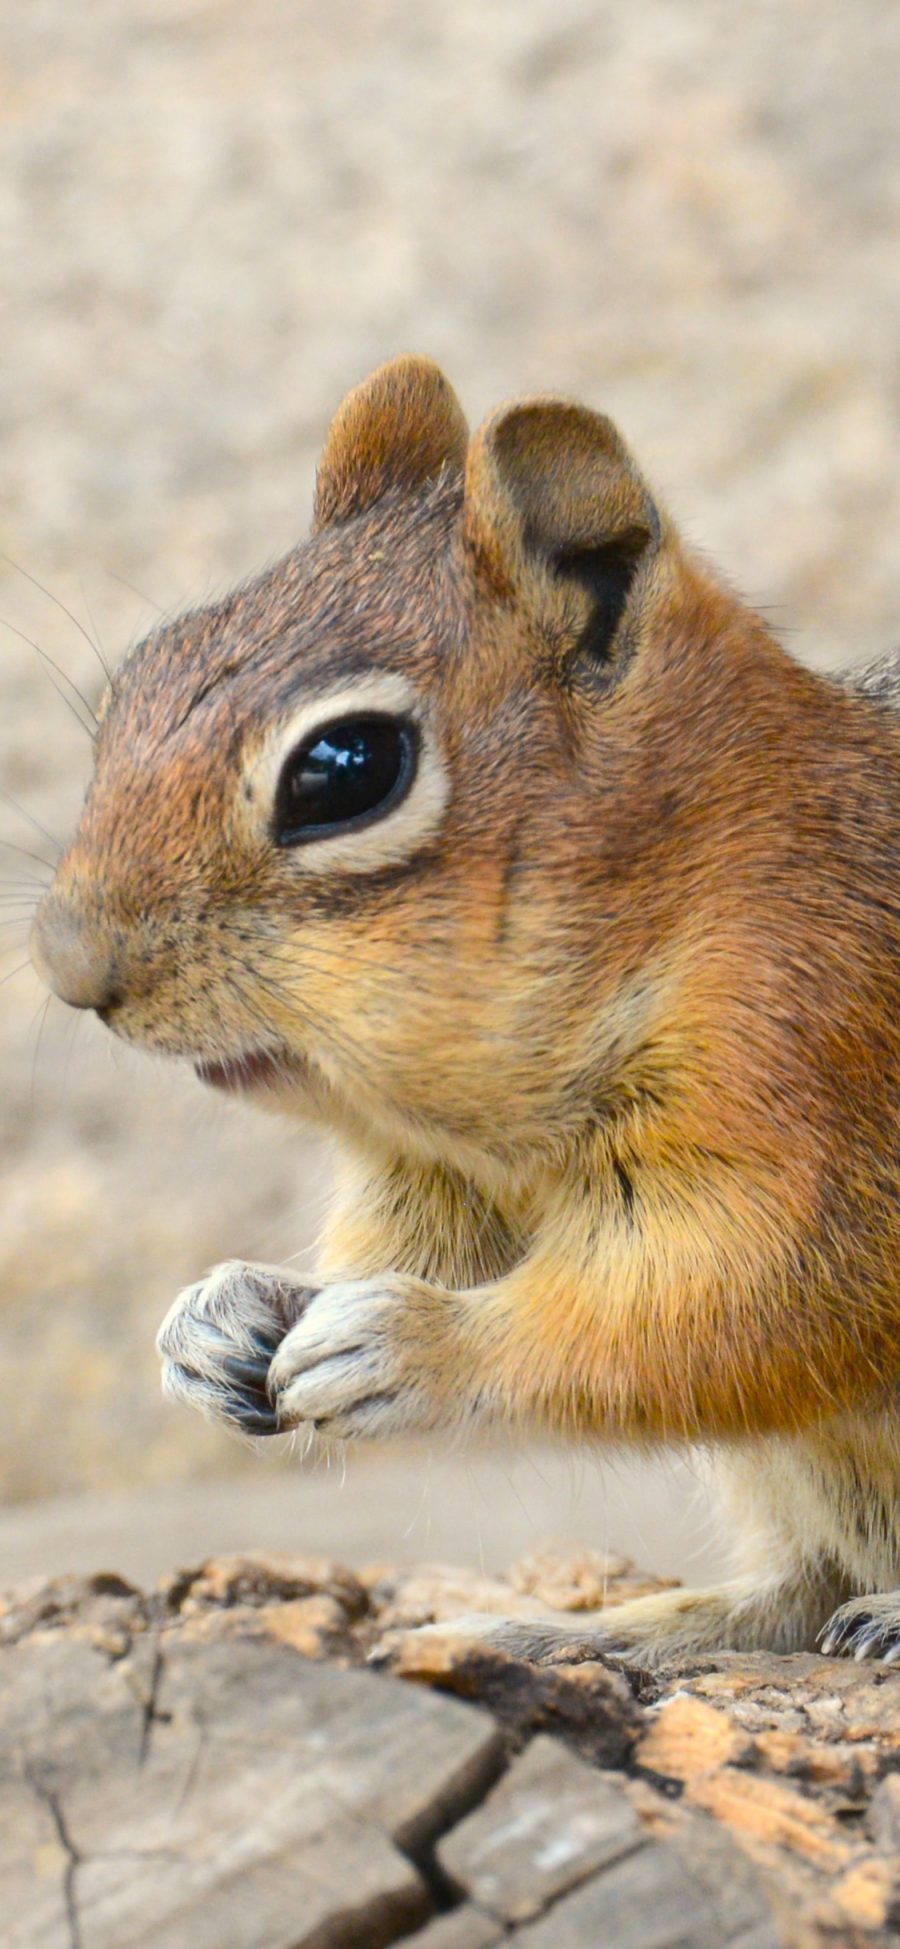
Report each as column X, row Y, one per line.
column 816, row 1516
column 789, row 1578
column 746, row 1613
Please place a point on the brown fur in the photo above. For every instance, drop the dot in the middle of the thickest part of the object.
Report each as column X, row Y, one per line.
column 615, row 1054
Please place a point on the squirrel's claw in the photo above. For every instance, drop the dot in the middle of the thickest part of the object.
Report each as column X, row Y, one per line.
column 867, row 1627
column 217, row 1342
column 344, row 1368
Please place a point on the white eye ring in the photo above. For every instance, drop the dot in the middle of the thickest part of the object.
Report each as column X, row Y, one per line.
column 384, row 841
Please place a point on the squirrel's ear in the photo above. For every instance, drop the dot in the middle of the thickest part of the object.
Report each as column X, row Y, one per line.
column 552, row 488
column 397, row 430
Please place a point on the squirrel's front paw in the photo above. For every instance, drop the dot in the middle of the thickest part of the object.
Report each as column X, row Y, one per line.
column 361, row 1361
column 217, row 1342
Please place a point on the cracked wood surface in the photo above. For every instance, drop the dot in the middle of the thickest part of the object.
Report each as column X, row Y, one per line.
column 265, row 1753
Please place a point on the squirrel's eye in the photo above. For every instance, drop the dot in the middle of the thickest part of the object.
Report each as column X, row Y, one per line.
column 344, row 774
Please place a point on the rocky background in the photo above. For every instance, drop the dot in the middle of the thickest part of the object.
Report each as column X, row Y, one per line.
column 214, row 219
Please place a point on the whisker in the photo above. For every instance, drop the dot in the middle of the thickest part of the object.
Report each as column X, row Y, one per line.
column 32, row 821
column 98, row 646
column 89, row 729
column 309, row 1015
column 42, row 1023
column 72, row 1038
column 48, row 660
column 437, row 952
column 338, row 959
column 38, row 858
column 15, row 971
column 287, row 993
column 52, row 598
column 135, row 591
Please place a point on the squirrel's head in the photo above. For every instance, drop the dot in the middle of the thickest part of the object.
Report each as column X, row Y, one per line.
column 383, row 833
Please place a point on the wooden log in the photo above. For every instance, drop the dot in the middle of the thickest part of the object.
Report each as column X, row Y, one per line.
column 266, row 1754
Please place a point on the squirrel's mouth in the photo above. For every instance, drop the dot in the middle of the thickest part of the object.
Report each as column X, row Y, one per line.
column 255, row 1070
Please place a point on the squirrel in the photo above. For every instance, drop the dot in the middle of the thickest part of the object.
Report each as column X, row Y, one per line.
column 494, row 833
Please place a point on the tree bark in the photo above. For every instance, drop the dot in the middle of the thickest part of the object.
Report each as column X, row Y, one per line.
column 265, row 1753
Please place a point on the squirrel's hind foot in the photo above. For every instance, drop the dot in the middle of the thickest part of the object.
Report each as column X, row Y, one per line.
column 867, row 1627
column 745, row 1614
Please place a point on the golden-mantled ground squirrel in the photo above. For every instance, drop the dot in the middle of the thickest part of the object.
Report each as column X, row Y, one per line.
column 493, row 832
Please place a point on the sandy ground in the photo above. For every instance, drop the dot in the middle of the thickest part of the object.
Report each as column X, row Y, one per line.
column 213, row 220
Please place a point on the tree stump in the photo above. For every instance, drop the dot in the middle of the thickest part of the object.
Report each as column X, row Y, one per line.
column 264, row 1754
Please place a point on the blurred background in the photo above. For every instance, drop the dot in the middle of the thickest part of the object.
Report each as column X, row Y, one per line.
column 215, row 218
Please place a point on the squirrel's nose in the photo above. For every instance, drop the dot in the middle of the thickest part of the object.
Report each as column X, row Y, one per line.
column 71, row 959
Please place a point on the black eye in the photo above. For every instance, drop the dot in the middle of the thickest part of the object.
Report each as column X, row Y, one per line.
column 344, row 774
